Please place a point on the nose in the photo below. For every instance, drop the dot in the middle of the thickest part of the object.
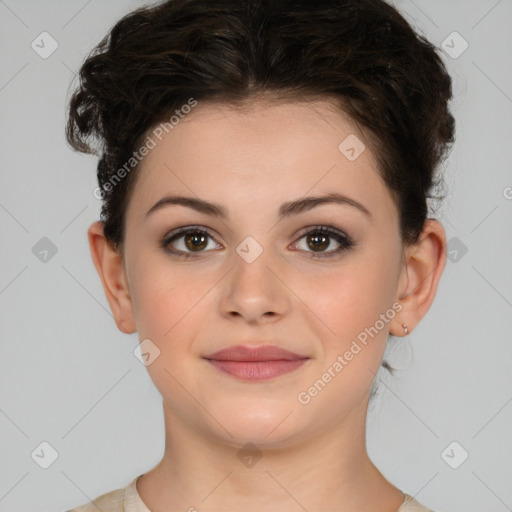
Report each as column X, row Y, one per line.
column 254, row 291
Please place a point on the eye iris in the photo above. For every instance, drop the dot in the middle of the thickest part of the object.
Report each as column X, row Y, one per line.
column 319, row 241
column 198, row 241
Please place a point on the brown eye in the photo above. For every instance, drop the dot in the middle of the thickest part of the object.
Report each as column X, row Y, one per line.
column 321, row 238
column 195, row 241
column 318, row 241
column 183, row 242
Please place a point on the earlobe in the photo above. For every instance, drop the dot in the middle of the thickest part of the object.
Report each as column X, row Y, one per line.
column 421, row 274
column 110, row 268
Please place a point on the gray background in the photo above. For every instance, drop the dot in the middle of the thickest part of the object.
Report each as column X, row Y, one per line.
column 69, row 377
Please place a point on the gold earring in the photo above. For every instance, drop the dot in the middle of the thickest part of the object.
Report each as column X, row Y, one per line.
column 406, row 329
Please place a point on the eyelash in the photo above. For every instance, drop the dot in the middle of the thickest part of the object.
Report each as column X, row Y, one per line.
column 346, row 243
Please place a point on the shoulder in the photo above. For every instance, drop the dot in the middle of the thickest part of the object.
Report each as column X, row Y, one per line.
column 411, row 505
column 125, row 499
column 112, row 501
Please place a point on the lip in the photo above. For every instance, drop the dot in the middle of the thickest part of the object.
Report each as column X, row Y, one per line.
column 259, row 353
column 256, row 363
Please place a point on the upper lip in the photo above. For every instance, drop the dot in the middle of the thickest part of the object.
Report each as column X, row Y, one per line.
column 259, row 353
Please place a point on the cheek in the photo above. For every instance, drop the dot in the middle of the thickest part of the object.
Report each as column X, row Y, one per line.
column 350, row 302
column 353, row 311
column 350, row 299
column 166, row 300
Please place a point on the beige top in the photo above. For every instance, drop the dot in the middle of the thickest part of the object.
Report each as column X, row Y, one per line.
column 128, row 500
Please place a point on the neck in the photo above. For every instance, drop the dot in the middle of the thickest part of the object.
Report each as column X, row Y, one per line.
column 331, row 471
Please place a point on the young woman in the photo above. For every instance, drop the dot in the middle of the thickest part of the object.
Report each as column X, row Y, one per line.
column 265, row 173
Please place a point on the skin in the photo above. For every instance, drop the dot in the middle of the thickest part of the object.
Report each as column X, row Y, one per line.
column 251, row 161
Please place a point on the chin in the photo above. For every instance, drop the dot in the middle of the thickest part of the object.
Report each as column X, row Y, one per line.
column 259, row 423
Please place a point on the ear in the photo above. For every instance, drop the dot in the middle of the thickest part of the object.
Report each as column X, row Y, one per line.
column 109, row 265
column 422, row 271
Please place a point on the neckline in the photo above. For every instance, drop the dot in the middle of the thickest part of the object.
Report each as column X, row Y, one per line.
column 133, row 502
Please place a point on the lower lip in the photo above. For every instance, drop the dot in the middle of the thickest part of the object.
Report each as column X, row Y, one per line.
column 257, row 370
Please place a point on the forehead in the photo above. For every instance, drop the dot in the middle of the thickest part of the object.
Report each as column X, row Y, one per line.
column 267, row 149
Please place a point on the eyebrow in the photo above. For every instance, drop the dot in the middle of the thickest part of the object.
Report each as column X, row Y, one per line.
column 286, row 210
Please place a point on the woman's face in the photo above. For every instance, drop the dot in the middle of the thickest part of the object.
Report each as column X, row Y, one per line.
column 263, row 274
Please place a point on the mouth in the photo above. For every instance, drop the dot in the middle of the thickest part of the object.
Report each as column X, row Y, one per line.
column 256, row 363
